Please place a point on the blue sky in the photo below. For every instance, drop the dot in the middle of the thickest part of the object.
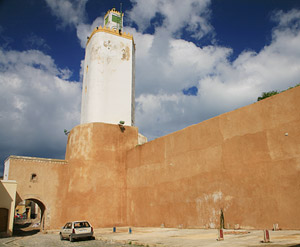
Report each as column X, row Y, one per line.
column 195, row 59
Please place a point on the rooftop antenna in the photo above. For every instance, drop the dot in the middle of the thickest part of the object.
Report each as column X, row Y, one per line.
column 120, row 24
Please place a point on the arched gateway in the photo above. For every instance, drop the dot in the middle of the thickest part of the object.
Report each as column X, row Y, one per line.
column 42, row 208
column 36, row 179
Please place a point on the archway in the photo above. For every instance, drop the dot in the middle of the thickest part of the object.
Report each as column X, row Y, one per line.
column 29, row 217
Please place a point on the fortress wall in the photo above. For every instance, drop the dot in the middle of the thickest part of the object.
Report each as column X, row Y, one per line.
column 89, row 185
column 245, row 162
column 93, row 187
column 43, row 189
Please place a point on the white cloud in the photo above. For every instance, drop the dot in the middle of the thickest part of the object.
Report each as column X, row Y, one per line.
column 71, row 13
column 166, row 64
column 38, row 101
column 181, row 66
column 173, row 16
column 85, row 30
column 37, row 104
column 288, row 19
column 163, row 71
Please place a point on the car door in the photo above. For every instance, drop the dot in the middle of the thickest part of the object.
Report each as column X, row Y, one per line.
column 67, row 230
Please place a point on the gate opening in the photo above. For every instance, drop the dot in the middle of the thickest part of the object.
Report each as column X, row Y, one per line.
column 29, row 217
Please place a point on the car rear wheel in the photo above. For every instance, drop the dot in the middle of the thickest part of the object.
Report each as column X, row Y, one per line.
column 71, row 238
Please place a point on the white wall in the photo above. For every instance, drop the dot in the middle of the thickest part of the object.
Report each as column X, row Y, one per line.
column 108, row 83
column 6, row 169
column 8, row 190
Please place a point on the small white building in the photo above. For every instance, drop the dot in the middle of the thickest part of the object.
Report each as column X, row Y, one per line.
column 109, row 70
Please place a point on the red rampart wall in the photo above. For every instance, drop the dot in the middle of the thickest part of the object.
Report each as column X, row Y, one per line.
column 245, row 162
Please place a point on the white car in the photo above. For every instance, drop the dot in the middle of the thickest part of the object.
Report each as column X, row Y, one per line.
column 76, row 229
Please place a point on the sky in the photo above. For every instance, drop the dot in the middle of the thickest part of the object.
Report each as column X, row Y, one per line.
column 195, row 59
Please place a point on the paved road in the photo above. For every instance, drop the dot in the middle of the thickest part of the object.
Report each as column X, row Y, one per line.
column 173, row 237
column 159, row 237
column 51, row 240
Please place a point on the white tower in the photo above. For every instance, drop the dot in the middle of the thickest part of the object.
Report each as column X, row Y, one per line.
column 109, row 71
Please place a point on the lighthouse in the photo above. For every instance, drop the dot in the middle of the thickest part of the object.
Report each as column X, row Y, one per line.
column 108, row 94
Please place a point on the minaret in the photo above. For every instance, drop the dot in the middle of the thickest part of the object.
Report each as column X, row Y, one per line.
column 109, row 71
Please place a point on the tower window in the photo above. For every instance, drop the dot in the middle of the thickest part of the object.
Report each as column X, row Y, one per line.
column 33, row 178
column 116, row 19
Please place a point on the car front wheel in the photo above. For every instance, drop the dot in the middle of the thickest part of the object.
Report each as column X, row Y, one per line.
column 61, row 237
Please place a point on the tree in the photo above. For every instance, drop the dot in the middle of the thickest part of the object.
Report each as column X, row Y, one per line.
column 271, row 93
column 267, row 94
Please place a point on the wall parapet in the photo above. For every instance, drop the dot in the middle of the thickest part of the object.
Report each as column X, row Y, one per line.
column 113, row 10
column 111, row 31
column 47, row 160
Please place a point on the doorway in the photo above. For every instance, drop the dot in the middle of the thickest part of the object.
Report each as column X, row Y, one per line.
column 3, row 220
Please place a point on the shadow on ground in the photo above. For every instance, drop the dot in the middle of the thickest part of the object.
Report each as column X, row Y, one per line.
column 24, row 228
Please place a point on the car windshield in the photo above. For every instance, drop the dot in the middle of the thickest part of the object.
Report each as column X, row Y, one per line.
column 81, row 224
column 68, row 226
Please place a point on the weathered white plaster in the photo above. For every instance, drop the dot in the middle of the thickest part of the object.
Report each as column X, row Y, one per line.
column 108, row 80
column 217, row 196
column 142, row 140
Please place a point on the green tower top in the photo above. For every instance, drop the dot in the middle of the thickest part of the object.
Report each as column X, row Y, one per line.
column 114, row 19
